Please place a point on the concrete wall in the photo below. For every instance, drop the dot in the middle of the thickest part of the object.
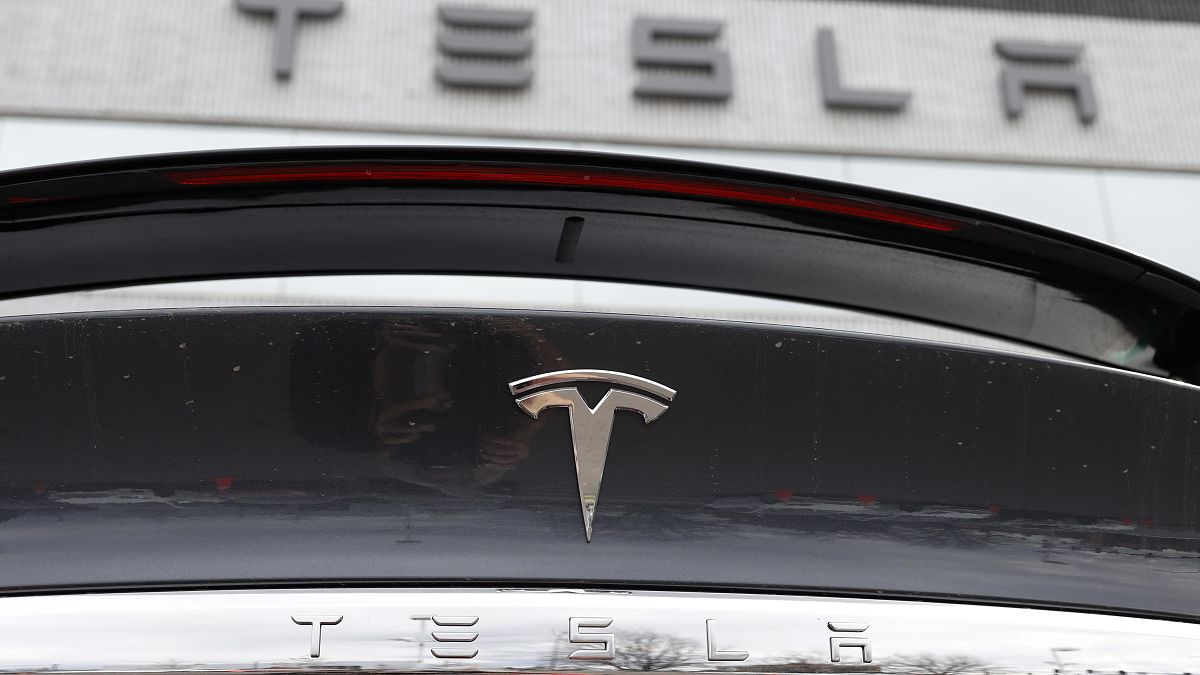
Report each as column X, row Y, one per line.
column 372, row 68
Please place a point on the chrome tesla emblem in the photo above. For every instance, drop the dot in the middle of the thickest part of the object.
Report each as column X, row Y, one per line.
column 590, row 427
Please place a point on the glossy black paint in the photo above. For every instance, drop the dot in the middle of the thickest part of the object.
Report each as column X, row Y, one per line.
column 124, row 221
column 219, row 447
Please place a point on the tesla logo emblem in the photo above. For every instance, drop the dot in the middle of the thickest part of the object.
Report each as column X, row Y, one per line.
column 590, row 427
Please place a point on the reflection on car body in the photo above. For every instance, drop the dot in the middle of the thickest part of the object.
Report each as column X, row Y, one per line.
column 394, row 489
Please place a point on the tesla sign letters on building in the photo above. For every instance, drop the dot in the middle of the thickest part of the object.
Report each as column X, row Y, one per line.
column 487, row 48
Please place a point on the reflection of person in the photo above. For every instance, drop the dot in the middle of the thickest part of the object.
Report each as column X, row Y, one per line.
column 429, row 397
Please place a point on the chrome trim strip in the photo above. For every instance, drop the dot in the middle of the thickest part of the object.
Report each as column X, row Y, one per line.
column 570, row 630
column 610, row 376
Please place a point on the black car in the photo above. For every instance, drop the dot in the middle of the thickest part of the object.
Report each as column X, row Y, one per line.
column 415, row 489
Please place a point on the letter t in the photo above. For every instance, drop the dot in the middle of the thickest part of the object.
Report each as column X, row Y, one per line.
column 287, row 15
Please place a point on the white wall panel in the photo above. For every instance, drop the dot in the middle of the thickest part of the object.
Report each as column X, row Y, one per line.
column 1060, row 197
column 1157, row 215
column 33, row 141
column 372, row 69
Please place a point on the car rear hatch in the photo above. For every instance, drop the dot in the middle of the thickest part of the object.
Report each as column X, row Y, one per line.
column 438, row 459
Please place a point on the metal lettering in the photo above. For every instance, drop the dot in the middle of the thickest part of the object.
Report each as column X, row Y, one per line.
column 715, row 77
column 835, row 95
column 317, row 622
column 442, row 620
column 607, row 641
column 591, row 428
column 454, row 636
column 287, row 14
column 715, row 654
column 1014, row 80
column 473, row 44
column 241, row 631
column 861, row 642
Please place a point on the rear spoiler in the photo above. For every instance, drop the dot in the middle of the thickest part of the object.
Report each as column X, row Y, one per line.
column 592, row 216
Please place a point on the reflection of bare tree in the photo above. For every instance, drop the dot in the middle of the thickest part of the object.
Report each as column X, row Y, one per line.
column 802, row 662
column 646, row 651
column 929, row 664
column 807, row 659
column 562, row 647
column 951, row 535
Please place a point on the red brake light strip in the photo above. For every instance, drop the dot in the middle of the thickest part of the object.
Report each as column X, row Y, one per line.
column 564, row 177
